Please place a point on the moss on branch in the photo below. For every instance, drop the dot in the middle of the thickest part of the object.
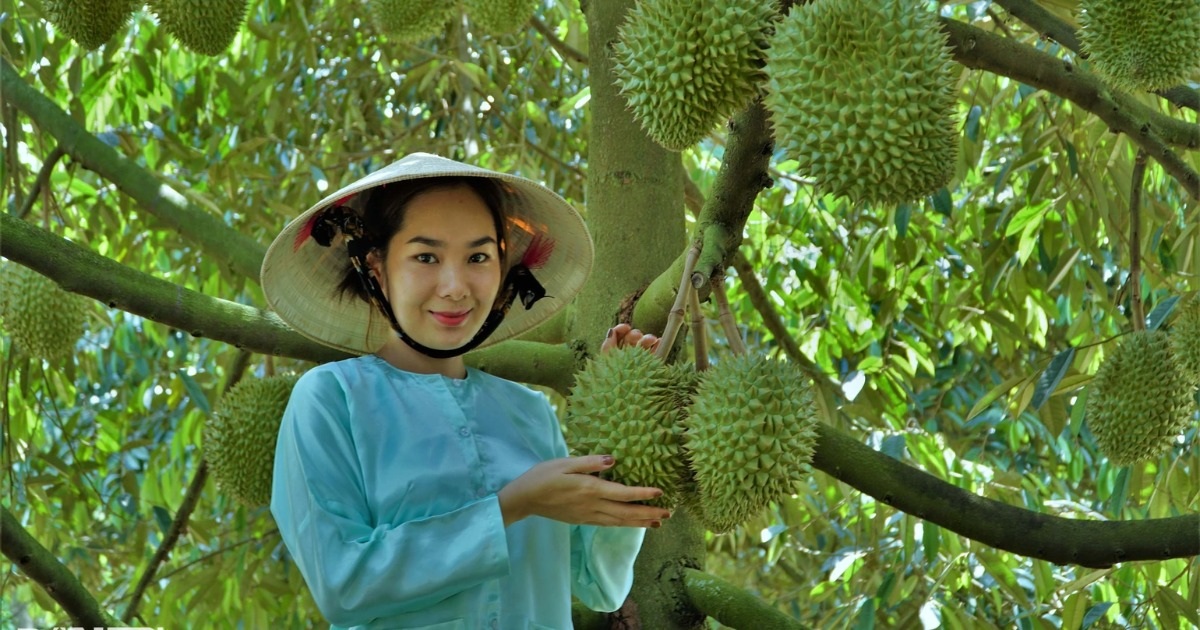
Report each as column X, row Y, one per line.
column 85, row 272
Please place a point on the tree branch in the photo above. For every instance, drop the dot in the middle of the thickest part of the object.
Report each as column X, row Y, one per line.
column 190, row 500
column 976, row 48
column 1059, row 540
column 742, row 175
column 240, row 253
column 551, row 38
column 44, row 568
column 82, row 271
column 1050, row 26
column 43, row 177
column 732, row 606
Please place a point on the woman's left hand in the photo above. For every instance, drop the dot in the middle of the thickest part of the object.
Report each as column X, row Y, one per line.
column 625, row 335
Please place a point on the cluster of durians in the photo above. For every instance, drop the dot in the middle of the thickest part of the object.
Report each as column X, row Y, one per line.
column 860, row 92
column 725, row 442
column 203, row 26
column 1143, row 396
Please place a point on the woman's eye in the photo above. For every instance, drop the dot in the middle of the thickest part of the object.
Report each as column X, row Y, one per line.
column 425, row 258
column 479, row 258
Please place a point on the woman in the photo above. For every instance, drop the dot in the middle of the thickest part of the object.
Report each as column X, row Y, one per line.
column 412, row 491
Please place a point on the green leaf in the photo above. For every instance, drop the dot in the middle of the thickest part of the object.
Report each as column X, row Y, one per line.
column 1161, row 312
column 931, row 540
column 1168, row 598
column 163, row 518
column 1116, row 503
column 1094, row 614
column 972, row 126
column 943, row 204
column 866, row 615
column 1029, row 215
column 992, row 395
column 1051, row 377
column 903, row 215
column 195, row 392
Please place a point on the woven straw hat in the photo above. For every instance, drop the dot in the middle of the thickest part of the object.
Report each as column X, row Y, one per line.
column 300, row 278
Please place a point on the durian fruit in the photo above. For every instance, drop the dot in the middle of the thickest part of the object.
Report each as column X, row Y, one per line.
column 748, row 434
column 203, row 26
column 861, row 95
column 240, row 434
column 685, row 66
column 1185, row 340
column 499, row 17
column 1144, row 45
column 411, row 21
column 1140, row 400
column 91, row 23
column 44, row 320
column 622, row 406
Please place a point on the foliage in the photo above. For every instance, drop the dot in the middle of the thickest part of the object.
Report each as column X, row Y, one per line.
column 957, row 334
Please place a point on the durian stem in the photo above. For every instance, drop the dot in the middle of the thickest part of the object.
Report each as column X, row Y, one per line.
column 195, row 489
column 732, row 334
column 675, row 317
column 699, row 337
column 43, row 177
column 1135, row 241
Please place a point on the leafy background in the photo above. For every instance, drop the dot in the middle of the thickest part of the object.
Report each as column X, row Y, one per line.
column 929, row 324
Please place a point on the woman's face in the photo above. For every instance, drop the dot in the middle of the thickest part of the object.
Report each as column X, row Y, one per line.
column 443, row 267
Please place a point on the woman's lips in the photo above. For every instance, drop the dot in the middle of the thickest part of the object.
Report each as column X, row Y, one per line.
column 450, row 319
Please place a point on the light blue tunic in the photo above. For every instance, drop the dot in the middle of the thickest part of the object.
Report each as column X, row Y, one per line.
column 385, row 493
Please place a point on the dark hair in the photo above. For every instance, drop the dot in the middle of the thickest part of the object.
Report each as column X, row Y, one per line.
column 385, row 206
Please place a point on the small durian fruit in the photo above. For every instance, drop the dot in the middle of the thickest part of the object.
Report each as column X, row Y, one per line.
column 44, row 320
column 748, row 435
column 411, row 21
column 622, row 406
column 499, row 17
column 203, row 26
column 1185, row 340
column 91, row 23
column 1140, row 401
column 1144, row 45
column 240, row 435
column 686, row 66
column 861, row 95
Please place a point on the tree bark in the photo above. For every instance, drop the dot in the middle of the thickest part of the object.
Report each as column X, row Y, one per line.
column 733, row 606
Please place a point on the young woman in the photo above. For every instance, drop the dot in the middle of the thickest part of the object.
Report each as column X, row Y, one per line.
column 413, row 491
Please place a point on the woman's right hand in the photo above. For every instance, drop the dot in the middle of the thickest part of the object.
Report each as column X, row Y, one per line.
column 564, row 490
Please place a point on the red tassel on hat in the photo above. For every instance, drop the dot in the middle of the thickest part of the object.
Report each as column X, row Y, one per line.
column 538, row 252
column 305, row 232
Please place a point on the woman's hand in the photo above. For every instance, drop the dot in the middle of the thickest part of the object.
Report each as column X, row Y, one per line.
column 563, row 490
column 626, row 335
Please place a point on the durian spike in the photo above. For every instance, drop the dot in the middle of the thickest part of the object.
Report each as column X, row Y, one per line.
column 699, row 337
column 675, row 318
column 736, row 345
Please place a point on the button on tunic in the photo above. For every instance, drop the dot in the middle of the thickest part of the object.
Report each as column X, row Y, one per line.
column 384, row 491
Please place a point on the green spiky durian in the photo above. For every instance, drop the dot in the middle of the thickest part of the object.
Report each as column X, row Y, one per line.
column 91, row 23
column 861, row 95
column 1140, row 400
column 684, row 66
column 1185, row 340
column 240, row 435
column 203, row 26
column 43, row 320
column 1144, row 45
column 748, row 434
column 622, row 406
column 501, row 16
column 411, row 21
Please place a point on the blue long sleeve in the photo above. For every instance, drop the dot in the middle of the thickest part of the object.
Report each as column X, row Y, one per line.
column 358, row 571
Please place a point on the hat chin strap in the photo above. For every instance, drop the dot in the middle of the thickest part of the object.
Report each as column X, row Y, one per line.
column 518, row 281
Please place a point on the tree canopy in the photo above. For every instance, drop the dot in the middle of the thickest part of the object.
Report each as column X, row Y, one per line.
column 952, row 341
